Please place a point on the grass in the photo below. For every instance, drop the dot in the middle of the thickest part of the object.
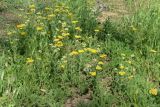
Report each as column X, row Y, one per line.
column 59, row 55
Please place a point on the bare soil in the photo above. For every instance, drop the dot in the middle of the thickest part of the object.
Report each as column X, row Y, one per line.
column 116, row 9
column 7, row 19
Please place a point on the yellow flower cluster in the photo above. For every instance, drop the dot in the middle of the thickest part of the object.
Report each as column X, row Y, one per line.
column 29, row 60
column 121, row 67
column 58, row 44
column 98, row 68
column 103, row 56
column 74, row 53
column 77, row 36
column 94, row 51
column 93, row 73
column 78, row 29
column 96, row 30
column 63, row 22
column 122, row 73
column 63, row 63
column 39, row 28
column 21, row 26
column 32, row 8
column 101, row 63
column 74, row 21
column 23, row 33
column 126, row 68
column 153, row 91
column 81, row 51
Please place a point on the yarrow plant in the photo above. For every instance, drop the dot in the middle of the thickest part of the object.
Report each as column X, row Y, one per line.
column 61, row 53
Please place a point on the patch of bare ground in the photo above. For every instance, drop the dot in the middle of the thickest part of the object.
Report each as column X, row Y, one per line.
column 105, row 83
column 77, row 98
column 7, row 19
column 116, row 9
column 86, row 98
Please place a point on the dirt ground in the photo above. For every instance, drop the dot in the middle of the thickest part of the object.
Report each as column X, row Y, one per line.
column 111, row 9
column 7, row 20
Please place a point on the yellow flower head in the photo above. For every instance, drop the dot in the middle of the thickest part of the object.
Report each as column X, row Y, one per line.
column 121, row 67
column 96, row 30
column 78, row 29
column 21, row 26
column 103, row 56
column 153, row 91
column 77, row 36
column 23, row 33
column 81, row 51
column 122, row 73
column 58, row 44
column 29, row 60
column 130, row 62
column 73, row 53
column 75, row 21
column 93, row 73
column 60, row 37
column 101, row 63
column 65, row 34
column 92, row 50
column 98, row 67
column 56, row 40
column 39, row 28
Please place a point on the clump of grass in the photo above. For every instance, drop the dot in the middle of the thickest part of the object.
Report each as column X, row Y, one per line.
column 141, row 29
column 3, row 6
